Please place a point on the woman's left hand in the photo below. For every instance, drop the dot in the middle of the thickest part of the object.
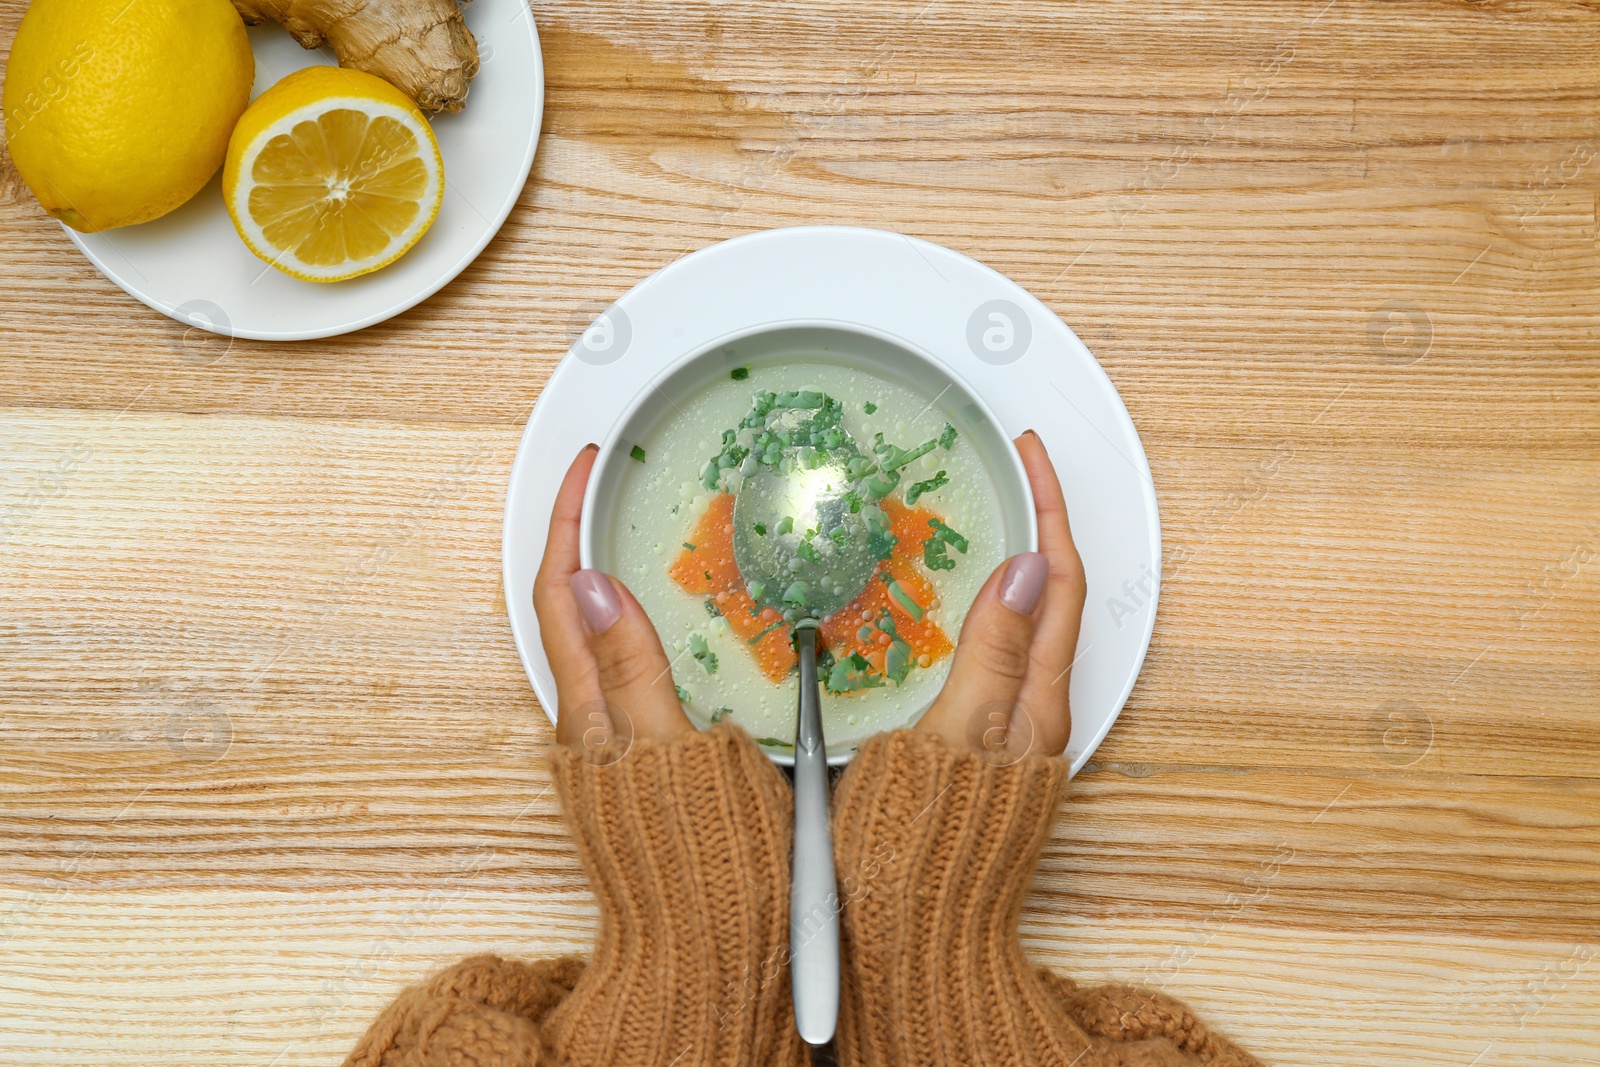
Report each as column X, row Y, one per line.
column 1007, row 695
column 613, row 680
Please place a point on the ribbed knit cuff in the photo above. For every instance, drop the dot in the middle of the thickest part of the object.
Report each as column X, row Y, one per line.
column 686, row 844
column 935, row 849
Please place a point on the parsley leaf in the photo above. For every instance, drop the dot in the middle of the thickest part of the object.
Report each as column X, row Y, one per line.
column 919, row 489
column 701, row 650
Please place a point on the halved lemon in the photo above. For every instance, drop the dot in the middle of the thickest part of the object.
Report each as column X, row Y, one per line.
column 332, row 173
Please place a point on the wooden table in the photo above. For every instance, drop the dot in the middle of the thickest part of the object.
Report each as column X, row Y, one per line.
column 268, row 752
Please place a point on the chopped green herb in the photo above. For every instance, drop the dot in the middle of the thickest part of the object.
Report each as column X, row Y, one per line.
column 948, row 437
column 934, row 555
column 757, row 638
column 702, row 653
column 919, row 489
column 773, row 742
column 712, row 609
column 882, row 485
column 860, row 466
column 683, row 694
column 899, row 457
column 800, row 400
column 707, row 575
column 840, row 537
column 688, row 546
column 948, row 536
column 761, row 529
column 738, row 374
column 786, row 524
column 870, row 408
column 797, row 594
column 880, row 542
column 853, row 501
column 757, row 590
column 852, row 673
column 637, row 453
column 807, row 551
column 720, row 714
column 825, row 662
column 897, row 661
column 901, row 597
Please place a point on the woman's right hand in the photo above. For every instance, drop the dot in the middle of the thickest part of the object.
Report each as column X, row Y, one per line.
column 613, row 679
column 1006, row 696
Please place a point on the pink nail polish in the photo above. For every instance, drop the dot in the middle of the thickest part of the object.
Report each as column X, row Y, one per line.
column 1023, row 582
column 597, row 600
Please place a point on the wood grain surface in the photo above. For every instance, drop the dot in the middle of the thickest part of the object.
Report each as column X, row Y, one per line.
column 267, row 753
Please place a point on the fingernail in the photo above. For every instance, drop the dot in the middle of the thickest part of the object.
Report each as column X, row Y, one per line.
column 597, row 600
column 1023, row 582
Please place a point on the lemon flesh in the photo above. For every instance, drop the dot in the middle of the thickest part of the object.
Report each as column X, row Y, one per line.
column 332, row 173
column 116, row 113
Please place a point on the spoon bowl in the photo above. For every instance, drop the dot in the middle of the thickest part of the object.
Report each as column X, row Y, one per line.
column 811, row 585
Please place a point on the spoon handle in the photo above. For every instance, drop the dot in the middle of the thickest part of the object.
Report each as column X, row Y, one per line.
column 813, row 893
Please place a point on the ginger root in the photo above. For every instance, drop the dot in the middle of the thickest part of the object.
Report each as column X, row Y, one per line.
column 421, row 47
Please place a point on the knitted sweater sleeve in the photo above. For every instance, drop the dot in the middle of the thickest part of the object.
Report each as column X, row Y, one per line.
column 686, row 847
column 934, row 850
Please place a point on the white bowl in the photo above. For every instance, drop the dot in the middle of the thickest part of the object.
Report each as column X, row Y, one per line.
column 849, row 344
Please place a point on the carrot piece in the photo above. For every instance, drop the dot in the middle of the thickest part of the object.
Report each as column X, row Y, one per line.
column 709, row 570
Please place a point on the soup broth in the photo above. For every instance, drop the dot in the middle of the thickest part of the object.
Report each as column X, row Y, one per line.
column 884, row 658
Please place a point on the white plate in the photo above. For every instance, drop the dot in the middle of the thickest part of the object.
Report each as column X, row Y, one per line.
column 1023, row 360
column 191, row 264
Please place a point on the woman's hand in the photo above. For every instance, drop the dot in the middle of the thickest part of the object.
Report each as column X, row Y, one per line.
column 613, row 680
column 1006, row 696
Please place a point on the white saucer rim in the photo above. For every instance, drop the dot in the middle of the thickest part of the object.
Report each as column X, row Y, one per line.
column 1081, row 748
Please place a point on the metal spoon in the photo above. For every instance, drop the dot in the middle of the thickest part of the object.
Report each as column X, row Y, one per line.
column 807, row 586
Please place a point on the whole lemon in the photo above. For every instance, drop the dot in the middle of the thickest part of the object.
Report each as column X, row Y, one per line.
column 118, row 111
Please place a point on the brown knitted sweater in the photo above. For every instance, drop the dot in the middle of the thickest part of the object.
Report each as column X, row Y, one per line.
column 687, row 848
